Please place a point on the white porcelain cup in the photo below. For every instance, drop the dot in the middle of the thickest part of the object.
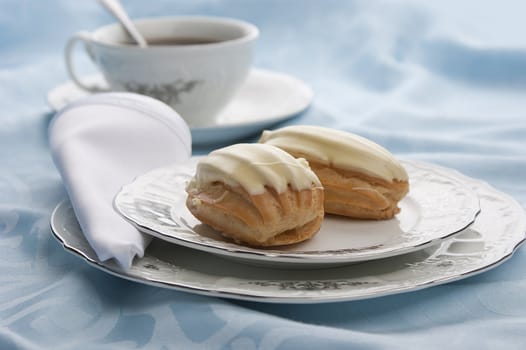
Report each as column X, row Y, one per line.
column 197, row 78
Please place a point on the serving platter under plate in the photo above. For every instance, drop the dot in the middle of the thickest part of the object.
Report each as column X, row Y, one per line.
column 437, row 206
column 491, row 239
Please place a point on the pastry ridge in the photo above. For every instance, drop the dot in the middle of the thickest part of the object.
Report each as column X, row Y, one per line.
column 353, row 191
column 257, row 194
column 266, row 219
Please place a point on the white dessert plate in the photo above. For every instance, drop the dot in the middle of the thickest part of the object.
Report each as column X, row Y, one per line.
column 266, row 98
column 490, row 240
column 437, row 206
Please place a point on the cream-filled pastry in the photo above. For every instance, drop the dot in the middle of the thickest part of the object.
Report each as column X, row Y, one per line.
column 361, row 179
column 257, row 194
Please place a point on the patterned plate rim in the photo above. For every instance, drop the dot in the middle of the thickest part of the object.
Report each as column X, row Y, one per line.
column 308, row 259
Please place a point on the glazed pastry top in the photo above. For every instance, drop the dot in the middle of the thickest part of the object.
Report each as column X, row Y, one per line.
column 253, row 167
column 337, row 148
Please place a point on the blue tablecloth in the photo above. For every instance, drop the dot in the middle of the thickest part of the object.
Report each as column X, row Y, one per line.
column 443, row 82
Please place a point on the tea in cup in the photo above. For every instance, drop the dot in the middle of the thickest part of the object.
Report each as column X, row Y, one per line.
column 194, row 64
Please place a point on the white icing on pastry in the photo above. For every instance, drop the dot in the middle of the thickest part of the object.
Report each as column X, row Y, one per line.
column 337, row 148
column 254, row 166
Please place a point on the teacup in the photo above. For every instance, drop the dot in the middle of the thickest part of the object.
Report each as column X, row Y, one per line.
column 194, row 64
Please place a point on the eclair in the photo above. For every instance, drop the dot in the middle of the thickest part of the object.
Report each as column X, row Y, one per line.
column 257, row 195
column 361, row 179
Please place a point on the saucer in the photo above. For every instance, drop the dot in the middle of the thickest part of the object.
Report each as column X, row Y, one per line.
column 437, row 206
column 494, row 236
column 266, row 98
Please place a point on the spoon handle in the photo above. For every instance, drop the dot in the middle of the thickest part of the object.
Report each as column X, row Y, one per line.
column 115, row 7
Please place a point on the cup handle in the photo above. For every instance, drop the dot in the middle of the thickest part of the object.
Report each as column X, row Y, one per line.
column 68, row 54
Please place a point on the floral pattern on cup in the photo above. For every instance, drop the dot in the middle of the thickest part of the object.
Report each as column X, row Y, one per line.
column 169, row 93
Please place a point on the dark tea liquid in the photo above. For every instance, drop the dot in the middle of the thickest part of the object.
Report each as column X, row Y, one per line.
column 177, row 41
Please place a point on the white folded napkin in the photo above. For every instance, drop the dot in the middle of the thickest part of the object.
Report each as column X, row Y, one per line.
column 103, row 142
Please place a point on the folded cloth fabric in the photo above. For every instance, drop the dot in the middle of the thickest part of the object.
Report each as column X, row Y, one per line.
column 101, row 143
